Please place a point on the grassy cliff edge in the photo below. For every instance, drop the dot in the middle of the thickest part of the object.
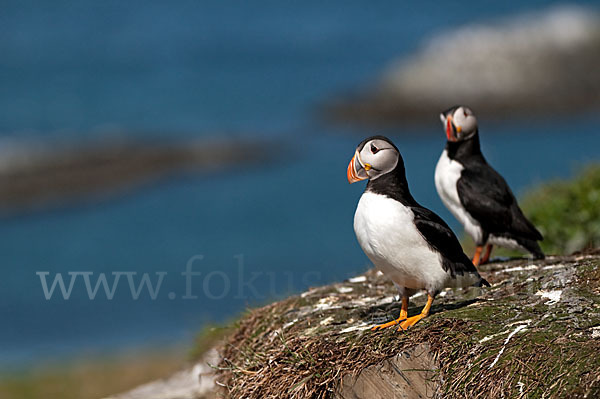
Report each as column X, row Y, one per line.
column 534, row 333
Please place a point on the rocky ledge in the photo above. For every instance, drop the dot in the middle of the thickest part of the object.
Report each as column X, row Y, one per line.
column 534, row 333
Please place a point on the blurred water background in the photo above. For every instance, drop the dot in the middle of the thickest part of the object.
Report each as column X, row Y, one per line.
column 147, row 70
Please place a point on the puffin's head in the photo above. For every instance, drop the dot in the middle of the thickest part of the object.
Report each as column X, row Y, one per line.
column 373, row 157
column 459, row 122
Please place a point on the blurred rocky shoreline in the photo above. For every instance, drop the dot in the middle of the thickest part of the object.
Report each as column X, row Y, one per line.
column 35, row 176
column 528, row 66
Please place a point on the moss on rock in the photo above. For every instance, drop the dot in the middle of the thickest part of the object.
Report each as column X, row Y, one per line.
column 534, row 333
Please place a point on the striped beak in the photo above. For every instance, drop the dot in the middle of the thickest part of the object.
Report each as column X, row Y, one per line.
column 356, row 172
column 451, row 129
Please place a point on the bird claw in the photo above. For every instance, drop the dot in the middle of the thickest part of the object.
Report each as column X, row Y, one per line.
column 411, row 321
column 388, row 324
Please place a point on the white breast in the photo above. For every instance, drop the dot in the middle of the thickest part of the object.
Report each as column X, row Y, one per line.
column 387, row 234
column 447, row 173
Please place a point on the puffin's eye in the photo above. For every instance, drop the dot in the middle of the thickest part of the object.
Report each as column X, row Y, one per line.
column 465, row 112
column 374, row 149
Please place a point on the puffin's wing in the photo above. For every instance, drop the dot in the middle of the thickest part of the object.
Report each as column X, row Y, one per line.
column 442, row 239
column 487, row 197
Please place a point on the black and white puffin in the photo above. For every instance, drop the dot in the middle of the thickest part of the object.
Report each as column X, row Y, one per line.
column 410, row 244
column 476, row 194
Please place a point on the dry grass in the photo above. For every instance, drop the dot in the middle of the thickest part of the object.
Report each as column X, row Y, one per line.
column 300, row 347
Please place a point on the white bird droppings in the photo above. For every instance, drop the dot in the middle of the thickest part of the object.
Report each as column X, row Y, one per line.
column 518, row 269
column 558, row 266
column 359, row 279
column 553, row 296
column 358, row 327
column 291, row 323
column 326, row 303
column 488, row 337
column 520, row 327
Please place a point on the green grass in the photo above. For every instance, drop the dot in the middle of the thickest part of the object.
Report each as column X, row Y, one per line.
column 567, row 212
column 208, row 337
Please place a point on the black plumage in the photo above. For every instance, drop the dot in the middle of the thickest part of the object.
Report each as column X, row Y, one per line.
column 486, row 196
column 438, row 235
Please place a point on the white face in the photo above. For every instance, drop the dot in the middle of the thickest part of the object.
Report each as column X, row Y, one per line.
column 376, row 158
column 460, row 125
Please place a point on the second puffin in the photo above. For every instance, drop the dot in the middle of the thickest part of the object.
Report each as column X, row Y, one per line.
column 476, row 194
column 408, row 243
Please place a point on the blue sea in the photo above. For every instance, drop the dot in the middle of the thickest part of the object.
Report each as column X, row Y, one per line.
column 84, row 70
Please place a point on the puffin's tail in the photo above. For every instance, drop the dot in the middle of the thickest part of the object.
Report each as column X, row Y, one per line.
column 482, row 282
column 533, row 247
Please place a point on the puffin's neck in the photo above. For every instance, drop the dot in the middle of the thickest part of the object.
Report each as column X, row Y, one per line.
column 394, row 185
column 465, row 150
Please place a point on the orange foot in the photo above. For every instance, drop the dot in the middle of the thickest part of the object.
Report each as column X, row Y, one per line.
column 401, row 318
column 488, row 252
column 388, row 324
column 411, row 321
column 477, row 256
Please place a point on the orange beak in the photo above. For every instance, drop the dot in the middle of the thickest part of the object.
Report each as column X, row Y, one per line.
column 451, row 129
column 352, row 173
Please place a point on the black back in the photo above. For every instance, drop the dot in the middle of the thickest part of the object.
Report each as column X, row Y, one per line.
column 486, row 196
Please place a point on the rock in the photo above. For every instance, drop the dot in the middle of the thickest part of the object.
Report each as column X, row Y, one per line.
column 535, row 64
column 411, row 374
column 534, row 333
column 531, row 334
column 195, row 382
column 34, row 178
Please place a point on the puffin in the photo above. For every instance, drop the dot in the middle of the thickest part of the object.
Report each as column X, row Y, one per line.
column 407, row 242
column 476, row 194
